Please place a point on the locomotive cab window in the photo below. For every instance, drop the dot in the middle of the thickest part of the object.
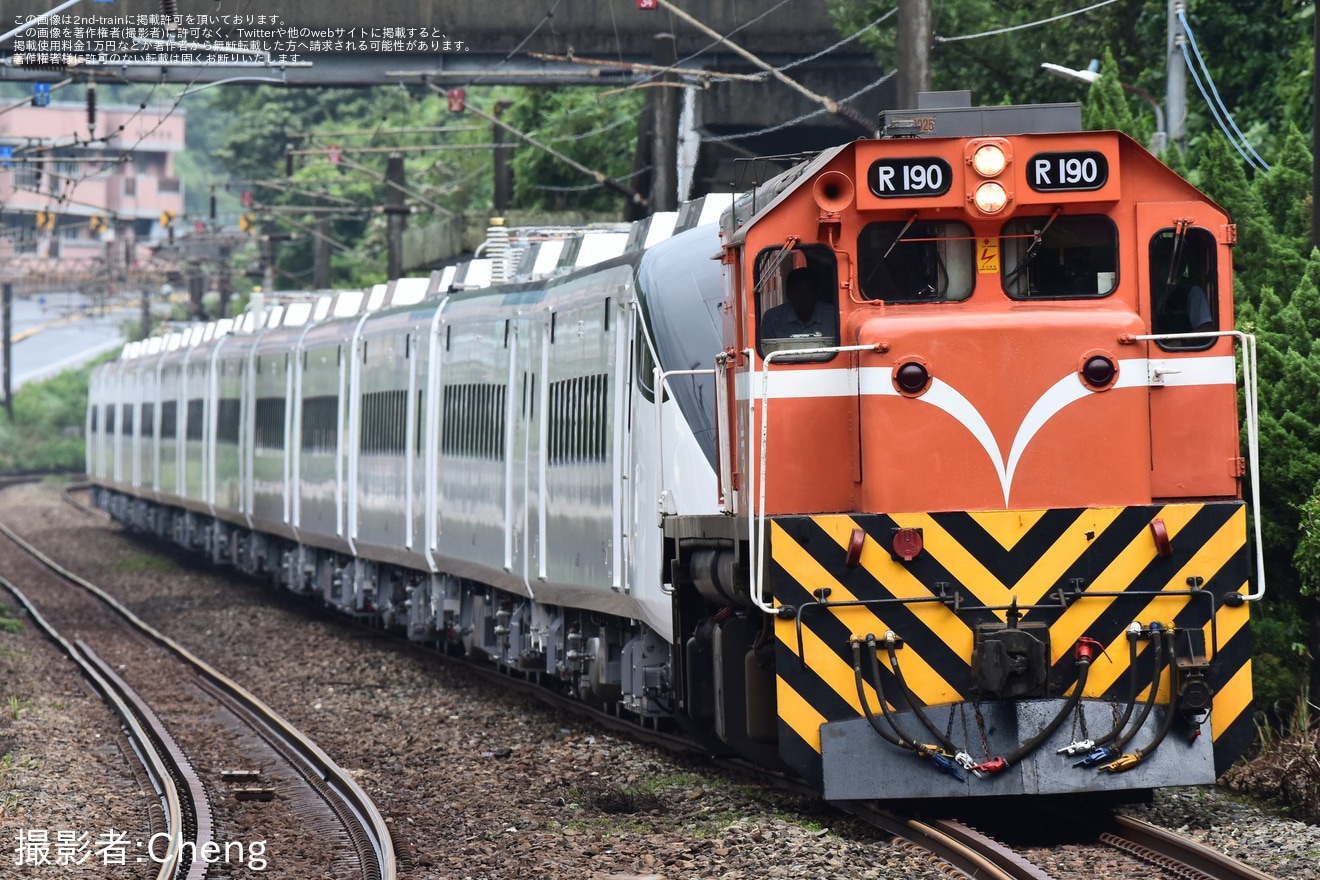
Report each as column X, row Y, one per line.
column 1183, row 288
column 797, row 302
column 916, row 261
column 1057, row 257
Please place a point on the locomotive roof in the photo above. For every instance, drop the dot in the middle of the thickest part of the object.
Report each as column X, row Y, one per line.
column 747, row 207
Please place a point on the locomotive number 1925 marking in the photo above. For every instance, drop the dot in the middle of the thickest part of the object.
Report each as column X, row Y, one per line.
column 921, row 176
column 1080, row 170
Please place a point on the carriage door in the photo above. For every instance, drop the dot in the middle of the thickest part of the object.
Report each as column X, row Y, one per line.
column 1184, row 278
column 516, row 438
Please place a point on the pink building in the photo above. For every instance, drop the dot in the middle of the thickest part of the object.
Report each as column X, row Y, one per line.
column 80, row 196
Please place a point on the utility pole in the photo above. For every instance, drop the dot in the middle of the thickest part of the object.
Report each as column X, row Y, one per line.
column 395, row 213
column 664, row 143
column 912, row 50
column 1175, row 88
column 225, row 283
column 502, row 170
column 268, row 264
column 196, row 287
column 6, row 306
column 146, row 312
column 321, row 255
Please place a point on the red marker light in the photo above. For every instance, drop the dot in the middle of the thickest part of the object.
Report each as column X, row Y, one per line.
column 1160, row 532
column 855, row 543
column 908, row 544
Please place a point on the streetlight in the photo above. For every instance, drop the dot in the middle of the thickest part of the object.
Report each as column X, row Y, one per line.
column 1159, row 140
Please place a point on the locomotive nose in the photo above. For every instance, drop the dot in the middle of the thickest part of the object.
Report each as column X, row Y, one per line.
column 1027, row 410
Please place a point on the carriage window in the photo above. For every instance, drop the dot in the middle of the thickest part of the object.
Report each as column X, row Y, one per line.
column 916, row 261
column 1183, row 289
column 1055, row 257
column 797, row 301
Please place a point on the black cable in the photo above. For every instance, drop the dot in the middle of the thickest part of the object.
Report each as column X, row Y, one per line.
column 1158, row 640
column 1127, row 762
column 914, row 704
column 1132, row 695
column 866, row 706
column 1083, row 671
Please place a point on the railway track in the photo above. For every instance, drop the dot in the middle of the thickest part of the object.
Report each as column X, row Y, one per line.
column 186, row 807
column 1144, row 850
column 218, row 713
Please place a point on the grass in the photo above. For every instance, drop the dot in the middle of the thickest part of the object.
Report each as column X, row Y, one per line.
column 9, row 623
column 143, row 562
column 9, row 800
column 17, row 706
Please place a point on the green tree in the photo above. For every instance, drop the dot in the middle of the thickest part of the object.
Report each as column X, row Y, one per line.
column 1220, row 174
column 599, row 133
column 1289, row 371
column 1106, row 106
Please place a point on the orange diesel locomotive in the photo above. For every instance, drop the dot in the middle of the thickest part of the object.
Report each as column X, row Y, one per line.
column 983, row 527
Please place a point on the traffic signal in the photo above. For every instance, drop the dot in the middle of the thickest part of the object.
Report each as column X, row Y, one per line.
column 96, row 224
column 247, row 223
column 166, row 219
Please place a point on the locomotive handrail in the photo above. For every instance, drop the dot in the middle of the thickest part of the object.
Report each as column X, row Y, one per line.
column 756, row 516
column 660, row 381
column 1250, row 406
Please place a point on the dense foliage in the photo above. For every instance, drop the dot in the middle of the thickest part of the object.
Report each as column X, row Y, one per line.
column 447, row 160
column 46, row 433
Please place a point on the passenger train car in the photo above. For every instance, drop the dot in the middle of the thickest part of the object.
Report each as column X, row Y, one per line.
column 963, row 517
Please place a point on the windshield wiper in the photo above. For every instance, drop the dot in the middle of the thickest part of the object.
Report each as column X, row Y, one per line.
column 1032, row 249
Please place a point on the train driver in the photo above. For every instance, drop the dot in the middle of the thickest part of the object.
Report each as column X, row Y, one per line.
column 803, row 314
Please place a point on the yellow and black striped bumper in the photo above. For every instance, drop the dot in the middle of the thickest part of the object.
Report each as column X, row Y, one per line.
column 1087, row 572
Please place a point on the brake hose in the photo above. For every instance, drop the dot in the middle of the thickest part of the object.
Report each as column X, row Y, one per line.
column 912, row 700
column 1084, row 652
column 1158, row 639
column 866, row 706
column 1127, row 762
column 1132, row 696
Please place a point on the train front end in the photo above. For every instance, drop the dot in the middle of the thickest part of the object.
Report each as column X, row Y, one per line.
column 979, row 416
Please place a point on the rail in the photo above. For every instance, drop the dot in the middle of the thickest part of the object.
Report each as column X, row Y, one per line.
column 155, row 757
column 1164, row 846
column 336, row 778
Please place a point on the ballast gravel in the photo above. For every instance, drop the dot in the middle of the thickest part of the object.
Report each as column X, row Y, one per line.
column 474, row 781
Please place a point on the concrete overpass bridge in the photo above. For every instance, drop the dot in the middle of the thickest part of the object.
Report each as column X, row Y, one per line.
column 473, row 43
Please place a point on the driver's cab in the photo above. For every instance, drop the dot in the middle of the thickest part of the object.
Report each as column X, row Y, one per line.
column 797, row 302
column 1184, row 288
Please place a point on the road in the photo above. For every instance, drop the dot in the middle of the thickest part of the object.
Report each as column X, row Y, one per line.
column 57, row 331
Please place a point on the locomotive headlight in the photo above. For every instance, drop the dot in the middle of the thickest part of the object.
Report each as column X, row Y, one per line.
column 990, row 198
column 989, row 160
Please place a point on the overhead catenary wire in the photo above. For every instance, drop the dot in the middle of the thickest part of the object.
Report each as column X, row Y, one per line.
column 834, row 107
column 788, row 123
column 599, row 177
column 1191, row 38
column 1021, row 27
